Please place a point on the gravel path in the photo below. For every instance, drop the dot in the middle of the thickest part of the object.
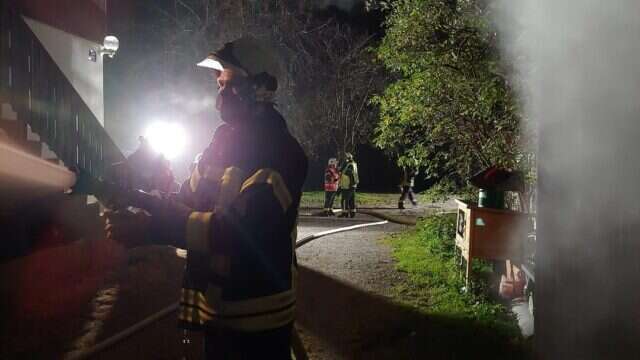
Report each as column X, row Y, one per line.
column 339, row 276
column 355, row 257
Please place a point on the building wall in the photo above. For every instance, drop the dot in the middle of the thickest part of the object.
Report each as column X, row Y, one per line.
column 68, row 29
column 70, row 53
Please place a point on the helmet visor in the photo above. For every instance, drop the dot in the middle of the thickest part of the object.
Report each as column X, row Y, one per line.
column 210, row 63
column 214, row 62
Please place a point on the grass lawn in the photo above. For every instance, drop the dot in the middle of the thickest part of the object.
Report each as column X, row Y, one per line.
column 433, row 287
column 315, row 199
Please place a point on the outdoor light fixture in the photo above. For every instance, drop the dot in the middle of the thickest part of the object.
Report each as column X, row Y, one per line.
column 168, row 139
column 109, row 47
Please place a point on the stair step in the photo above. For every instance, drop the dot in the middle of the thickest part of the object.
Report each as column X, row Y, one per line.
column 16, row 130
column 6, row 110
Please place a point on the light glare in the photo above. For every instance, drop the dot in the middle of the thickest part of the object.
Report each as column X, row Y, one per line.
column 169, row 139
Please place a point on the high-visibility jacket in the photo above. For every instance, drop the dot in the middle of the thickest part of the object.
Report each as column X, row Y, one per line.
column 349, row 176
column 331, row 178
column 241, row 266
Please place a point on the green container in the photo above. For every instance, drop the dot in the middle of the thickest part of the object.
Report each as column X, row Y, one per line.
column 491, row 199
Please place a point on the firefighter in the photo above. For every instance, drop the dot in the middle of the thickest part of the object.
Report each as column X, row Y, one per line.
column 240, row 279
column 331, row 178
column 145, row 169
column 406, row 187
column 348, row 185
column 162, row 180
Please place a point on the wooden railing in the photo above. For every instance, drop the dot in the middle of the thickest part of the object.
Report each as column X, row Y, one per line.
column 44, row 99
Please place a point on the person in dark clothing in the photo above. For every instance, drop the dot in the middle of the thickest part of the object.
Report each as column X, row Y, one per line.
column 348, row 184
column 406, row 187
column 238, row 217
column 145, row 169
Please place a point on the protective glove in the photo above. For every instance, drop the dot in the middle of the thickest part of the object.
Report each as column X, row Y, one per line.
column 163, row 222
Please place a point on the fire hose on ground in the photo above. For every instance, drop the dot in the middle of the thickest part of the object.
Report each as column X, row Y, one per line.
column 390, row 218
column 296, row 342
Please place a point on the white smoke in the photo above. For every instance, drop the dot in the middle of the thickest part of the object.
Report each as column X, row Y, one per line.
column 578, row 66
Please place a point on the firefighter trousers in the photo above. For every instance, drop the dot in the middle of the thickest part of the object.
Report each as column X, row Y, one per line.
column 348, row 200
column 227, row 344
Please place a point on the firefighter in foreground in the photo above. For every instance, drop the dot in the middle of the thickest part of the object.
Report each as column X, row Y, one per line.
column 239, row 228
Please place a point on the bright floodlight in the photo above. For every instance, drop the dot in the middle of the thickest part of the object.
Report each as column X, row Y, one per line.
column 169, row 139
column 111, row 43
column 110, row 46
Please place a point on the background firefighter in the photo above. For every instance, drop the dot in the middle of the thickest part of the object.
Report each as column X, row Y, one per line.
column 239, row 285
column 406, row 186
column 145, row 169
column 348, row 185
column 331, row 178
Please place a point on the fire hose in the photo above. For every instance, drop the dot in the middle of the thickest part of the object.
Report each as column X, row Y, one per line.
column 296, row 342
column 389, row 218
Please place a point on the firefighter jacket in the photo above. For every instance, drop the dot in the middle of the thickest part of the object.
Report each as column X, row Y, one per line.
column 331, row 178
column 241, row 265
column 349, row 176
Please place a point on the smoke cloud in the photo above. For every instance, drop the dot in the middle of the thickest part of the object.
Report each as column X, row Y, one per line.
column 578, row 73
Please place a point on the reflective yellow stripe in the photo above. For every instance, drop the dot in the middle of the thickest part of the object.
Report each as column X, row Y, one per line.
column 198, row 226
column 255, row 314
column 194, row 179
column 273, row 178
column 230, row 184
column 194, row 316
column 280, row 190
column 194, row 308
column 196, row 299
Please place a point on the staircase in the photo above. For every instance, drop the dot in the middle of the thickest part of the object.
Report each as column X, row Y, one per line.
column 42, row 114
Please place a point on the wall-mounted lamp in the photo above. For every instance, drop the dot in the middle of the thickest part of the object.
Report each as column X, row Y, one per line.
column 109, row 48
